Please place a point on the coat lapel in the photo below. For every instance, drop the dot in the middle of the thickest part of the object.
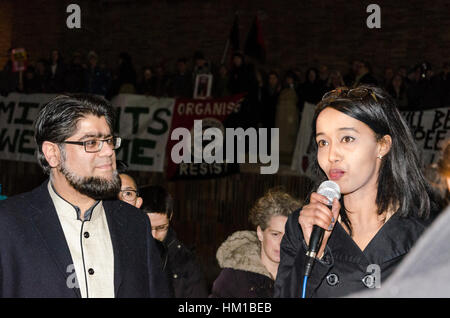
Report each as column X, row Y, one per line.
column 47, row 223
column 117, row 224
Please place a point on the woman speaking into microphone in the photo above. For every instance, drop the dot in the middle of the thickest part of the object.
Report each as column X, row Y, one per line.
column 363, row 144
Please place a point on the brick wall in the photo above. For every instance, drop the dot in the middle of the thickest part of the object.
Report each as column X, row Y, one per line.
column 6, row 14
column 297, row 33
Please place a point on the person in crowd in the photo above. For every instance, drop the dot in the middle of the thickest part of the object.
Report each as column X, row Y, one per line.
column 311, row 90
column 363, row 144
column 250, row 259
column 402, row 71
column 161, row 81
column 31, row 84
column 364, row 75
column 270, row 96
column 443, row 167
column 71, row 238
column 258, row 98
column 436, row 176
column 9, row 80
column 75, row 74
column 299, row 73
column 129, row 191
column 56, row 73
column 41, row 75
column 430, row 88
column 397, row 89
column 388, row 77
column 147, row 85
column 444, row 78
column 201, row 65
column 350, row 77
column 335, row 80
column 242, row 79
column 424, row 272
column 179, row 262
column 287, row 118
column 414, row 88
column 124, row 80
column 242, row 75
column 97, row 79
column 181, row 84
column 220, row 83
column 324, row 74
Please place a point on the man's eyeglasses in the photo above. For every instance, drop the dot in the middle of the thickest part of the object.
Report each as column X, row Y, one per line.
column 129, row 195
column 96, row 145
column 161, row 228
column 342, row 92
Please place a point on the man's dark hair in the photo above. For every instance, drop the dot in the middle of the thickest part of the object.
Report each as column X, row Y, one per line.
column 57, row 120
column 156, row 199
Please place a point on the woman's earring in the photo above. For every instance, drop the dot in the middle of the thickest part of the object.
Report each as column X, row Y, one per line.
column 380, row 157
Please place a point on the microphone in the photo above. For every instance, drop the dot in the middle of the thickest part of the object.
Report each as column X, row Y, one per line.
column 330, row 190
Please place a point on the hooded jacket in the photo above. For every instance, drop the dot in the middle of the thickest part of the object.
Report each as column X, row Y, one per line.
column 243, row 275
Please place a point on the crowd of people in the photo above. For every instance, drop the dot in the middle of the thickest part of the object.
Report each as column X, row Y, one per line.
column 361, row 142
column 274, row 98
column 413, row 87
column 89, row 231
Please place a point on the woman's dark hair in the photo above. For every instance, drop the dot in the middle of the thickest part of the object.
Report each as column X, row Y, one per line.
column 57, row 120
column 156, row 199
column 401, row 184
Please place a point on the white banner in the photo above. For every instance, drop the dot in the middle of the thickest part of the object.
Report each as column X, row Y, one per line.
column 429, row 127
column 142, row 122
column 144, row 125
column 17, row 115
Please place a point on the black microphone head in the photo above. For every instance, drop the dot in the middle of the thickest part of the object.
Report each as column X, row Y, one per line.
column 330, row 190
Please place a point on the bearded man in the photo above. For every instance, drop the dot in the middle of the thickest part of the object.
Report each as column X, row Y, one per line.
column 71, row 237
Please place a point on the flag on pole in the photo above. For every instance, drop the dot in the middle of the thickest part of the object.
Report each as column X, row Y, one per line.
column 233, row 39
column 234, row 34
column 254, row 44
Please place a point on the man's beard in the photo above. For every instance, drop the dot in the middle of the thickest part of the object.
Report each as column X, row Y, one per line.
column 97, row 188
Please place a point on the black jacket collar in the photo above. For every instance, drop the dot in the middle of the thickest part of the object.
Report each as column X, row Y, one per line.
column 170, row 238
column 395, row 238
column 45, row 218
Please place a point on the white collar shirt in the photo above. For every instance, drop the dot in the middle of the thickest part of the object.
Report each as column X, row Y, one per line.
column 90, row 246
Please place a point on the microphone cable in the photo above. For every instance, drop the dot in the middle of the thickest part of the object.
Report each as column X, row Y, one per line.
column 305, row 281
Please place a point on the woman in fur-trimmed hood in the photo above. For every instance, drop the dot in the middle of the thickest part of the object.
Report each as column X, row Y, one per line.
column 249, row 259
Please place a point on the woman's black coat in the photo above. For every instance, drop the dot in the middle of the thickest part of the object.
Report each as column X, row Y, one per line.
column 344, row 268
